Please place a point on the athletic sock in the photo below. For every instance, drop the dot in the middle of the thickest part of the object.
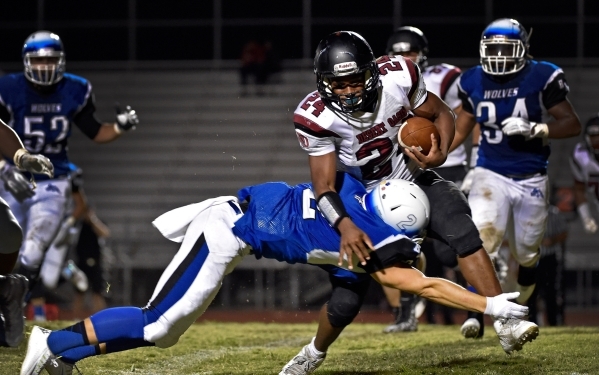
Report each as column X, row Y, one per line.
column 407, row 305
column 526, row 283
column 313, row 351
column 67, row 338
column 109, row 325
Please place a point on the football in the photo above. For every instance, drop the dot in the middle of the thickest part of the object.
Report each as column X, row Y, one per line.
column 416, row 131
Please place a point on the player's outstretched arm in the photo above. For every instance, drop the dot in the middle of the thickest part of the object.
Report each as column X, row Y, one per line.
column 323, row 170
column 448, row 293
column 126, row 120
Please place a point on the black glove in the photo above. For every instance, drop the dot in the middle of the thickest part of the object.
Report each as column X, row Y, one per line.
column 15, row 182
column 126, row 119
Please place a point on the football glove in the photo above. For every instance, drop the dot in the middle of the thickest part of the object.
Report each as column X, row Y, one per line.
column 521, row 126
column 467, row 182
column 590, row 226
column 500, row 306
column 127, row 119
column 15, row 182
column 33, row 163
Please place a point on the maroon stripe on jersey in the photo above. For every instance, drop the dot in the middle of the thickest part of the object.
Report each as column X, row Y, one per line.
column 448, row 80
column 414, row 73
column 312, row 128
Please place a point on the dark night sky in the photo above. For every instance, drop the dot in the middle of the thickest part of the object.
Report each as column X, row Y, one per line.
column 181, row 29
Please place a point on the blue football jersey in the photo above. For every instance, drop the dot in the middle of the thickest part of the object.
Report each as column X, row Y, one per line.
column 528, row 94
column 43, row 121
column 284, row 223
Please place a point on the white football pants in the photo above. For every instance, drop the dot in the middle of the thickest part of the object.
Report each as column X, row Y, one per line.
column 518, row 208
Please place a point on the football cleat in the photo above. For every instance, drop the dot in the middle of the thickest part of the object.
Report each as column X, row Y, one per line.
column 514, row 333
column 55, row 366
column 470, row 328
column 410, row 325
column 13, row 289
column 38, row 352
column 303, row 363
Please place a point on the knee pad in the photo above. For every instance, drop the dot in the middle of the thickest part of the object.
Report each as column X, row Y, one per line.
column 345, row 302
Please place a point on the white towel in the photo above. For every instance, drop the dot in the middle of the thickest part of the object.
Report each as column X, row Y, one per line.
column 173, row 224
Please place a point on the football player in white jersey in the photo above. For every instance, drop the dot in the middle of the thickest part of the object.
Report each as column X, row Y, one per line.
column 410, row 42
column 14, row 286
column 351, row 121
column 520, row 104
column 584, row 164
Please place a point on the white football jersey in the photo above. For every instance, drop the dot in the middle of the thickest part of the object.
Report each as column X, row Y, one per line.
column 442, row 80
column 366, row 143
column 585, row 168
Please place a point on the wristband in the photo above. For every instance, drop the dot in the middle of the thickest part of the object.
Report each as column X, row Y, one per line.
column 17, row 157
column 117, row 128
column 489, row 308
column 473, row 156
column 584, row 211
column 331, row 206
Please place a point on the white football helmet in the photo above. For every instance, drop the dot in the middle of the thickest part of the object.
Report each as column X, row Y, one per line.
column 401, row 204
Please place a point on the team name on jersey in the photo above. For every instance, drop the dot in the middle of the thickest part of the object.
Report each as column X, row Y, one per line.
column 46, row 108
column 503, row 93
column 371, row 133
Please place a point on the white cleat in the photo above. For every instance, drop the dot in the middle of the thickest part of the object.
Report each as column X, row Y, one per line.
column 303, row 363
column 37, row 351
column 470, row 328
column 514, row 333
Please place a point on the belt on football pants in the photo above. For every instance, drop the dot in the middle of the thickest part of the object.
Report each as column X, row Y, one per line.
column 518, row 177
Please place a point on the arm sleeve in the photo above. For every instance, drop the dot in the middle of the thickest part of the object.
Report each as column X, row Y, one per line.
column 86, row 119
column 556, row 90
column 417, row 93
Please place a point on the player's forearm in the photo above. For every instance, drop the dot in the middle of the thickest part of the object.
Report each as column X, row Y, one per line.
column 564, row 128
column 107, row 133
column 463, row 127
column 323, row 171
column 445, row 124
column 9, row 141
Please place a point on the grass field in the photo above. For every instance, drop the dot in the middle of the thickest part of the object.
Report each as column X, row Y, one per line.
column 263, row 348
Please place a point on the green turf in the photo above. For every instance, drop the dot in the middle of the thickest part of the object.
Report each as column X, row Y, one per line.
column 259, row 348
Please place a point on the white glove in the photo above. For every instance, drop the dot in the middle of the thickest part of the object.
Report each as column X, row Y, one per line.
column 15, row 182
column 590, row 226
column 127, row 119
column 33, row 163
column 500, row 307
column 467, row 182
column 521, row 126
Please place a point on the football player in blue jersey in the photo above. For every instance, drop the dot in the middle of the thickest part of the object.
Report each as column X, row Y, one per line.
column 41, row 105
column 520, row 104
column 275, row 221
column 14, row 286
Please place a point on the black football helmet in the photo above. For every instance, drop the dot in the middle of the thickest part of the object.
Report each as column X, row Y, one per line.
column 344, row 53
column 409, row 39
column 591, row 128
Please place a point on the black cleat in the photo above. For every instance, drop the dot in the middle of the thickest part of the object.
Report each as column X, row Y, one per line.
column 13, row 289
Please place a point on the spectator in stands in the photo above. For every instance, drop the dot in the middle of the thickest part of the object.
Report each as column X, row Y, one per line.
column 253, row 63
column 550, row 270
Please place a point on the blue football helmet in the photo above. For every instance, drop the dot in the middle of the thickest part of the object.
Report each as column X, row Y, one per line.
column 503, row 47
column 40, row 45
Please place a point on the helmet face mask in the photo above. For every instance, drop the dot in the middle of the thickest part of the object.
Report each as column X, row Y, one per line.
column 343, row 56
column 43, row 58
column 503, row 47
column 401, row 204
